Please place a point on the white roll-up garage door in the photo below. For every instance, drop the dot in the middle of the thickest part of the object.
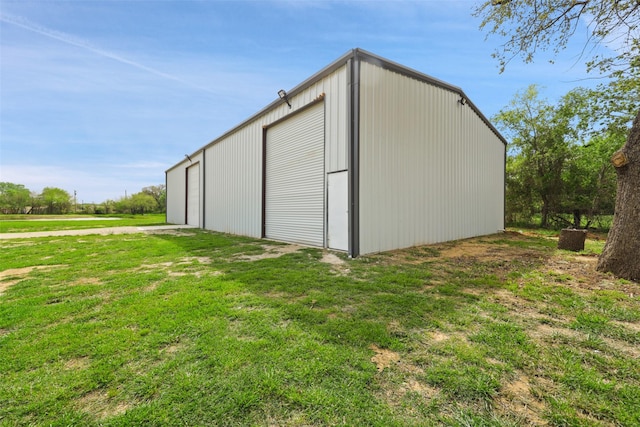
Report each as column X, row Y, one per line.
column 193, row 195
column 294, row 185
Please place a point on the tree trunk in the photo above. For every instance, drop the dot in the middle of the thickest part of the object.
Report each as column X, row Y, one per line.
column 544, row 213
column 621, row 253
column 577, row 218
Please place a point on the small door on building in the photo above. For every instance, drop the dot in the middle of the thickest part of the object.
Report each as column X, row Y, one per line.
column 338, row 210
column 193, row 195
column 294, row 179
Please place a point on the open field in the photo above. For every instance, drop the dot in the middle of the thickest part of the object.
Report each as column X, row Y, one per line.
column 187, row 327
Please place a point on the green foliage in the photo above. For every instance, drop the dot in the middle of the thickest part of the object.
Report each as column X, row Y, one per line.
column 590, row 178
column 159, row 194
column 549, row 169
column 14, row 198
column 56, row 200
column 150, row 199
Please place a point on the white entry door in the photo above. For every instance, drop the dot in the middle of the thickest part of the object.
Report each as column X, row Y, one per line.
column 338, row 210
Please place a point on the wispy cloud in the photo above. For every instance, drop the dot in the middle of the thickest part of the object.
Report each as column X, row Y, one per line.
column 74, row 41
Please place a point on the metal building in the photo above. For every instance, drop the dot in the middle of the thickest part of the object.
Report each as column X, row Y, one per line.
column 364, row 156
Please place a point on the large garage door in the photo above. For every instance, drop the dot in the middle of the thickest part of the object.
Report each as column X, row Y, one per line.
column 193, row 195
column 294, row 187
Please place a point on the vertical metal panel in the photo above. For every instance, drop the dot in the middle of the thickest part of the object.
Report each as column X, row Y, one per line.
column 233, row 183
column 176, row 194
column 430, row 169
column 193, row 195
column 294, row 187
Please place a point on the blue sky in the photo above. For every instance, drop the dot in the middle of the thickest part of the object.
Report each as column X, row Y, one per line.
column 101, row 97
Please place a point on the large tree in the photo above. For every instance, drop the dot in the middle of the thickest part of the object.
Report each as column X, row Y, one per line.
column 529, row 26
column 554, row 166
column 159, row 194
column 57, row 200
column 541, row 137
column 14, row 198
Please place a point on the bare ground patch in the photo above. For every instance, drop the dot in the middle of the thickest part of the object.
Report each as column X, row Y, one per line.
column 490, row 248
column 516, row 398
column 100, row 405
column 77, row 363
column 474, row 249
column 171, row 232
column 185, row 261
column 271, row 251
column 86, row 281
column 337, row 264
column 383, row 358
column 579, row 271
column 12, row 276
column 198, row 259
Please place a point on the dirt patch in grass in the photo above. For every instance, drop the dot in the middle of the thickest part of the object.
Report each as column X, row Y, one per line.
column 199, row 259
column 332, row 259
column 4, row 285
column 157, row 266
column 12, row 276
column 474, row 249
column 578, row 273
column 77, row 364
column 99, row 405
column 86, row 281
column 384, row 358
column 337, row 264
column 517, row 305
column 438, row 336
column 171, row 232
column 271, row 251
column 516, row 398
column 492, row 248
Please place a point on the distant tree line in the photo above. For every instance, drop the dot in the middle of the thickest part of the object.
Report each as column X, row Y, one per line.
column 17, row 199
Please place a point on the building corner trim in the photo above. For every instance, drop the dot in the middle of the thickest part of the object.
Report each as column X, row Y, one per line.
column 354, row 155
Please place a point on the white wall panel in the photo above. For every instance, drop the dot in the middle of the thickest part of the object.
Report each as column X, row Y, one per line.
column 233, row 201
column 193, row 195
column 176, row 195
column 430, row 169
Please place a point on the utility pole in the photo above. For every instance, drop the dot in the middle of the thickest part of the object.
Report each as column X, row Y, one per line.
column 75, row 201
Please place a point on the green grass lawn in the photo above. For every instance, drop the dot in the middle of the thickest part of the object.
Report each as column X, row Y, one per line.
column 26, row 223
column 198, row 328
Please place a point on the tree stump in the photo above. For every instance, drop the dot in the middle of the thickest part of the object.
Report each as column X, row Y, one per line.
column 572, row 239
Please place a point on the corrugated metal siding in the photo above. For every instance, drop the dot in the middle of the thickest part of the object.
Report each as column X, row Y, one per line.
column 233, row 203
column 193, row 195
column 176, row 195
column 295, row 179
column 430, row 169
column 233, row 164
